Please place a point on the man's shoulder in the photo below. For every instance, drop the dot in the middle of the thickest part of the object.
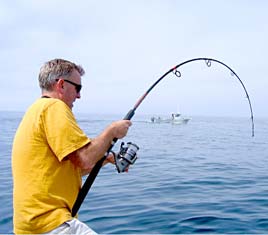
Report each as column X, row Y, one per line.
column 46, row 103
column 47, row 106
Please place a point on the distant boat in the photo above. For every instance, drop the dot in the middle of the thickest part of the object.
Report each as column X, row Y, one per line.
column 176, row 118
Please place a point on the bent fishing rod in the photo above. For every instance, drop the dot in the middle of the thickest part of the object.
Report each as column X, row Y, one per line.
column 93, row 174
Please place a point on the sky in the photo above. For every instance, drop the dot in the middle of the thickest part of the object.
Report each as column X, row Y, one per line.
column 125, row 46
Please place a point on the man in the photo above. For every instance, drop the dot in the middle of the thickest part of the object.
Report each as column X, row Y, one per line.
column 50, row 154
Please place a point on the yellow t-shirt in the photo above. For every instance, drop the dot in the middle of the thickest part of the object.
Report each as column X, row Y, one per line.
column 46, row 183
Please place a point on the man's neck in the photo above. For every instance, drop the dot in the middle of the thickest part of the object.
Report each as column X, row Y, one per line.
column 47, row 94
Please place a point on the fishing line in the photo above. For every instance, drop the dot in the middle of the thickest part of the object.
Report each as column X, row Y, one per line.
column 93, row 174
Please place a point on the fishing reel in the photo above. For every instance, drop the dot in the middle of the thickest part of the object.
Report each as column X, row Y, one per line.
column 126, row 156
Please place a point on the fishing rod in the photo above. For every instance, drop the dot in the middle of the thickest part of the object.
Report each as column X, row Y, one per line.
column 131, row 157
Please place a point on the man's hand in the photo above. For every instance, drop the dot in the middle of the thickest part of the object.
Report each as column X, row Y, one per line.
column 109, row 159
column 120, row 128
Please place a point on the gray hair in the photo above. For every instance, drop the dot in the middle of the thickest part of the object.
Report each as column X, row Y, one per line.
column 54, row 69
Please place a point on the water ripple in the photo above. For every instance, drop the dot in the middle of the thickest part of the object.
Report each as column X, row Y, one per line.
column 205, row 177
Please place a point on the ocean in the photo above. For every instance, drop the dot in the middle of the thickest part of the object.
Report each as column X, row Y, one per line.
column 207, row 177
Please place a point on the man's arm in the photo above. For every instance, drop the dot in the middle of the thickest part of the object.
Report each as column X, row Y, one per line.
column 86, row 157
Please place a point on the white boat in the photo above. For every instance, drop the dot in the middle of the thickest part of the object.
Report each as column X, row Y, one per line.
column 176, row 118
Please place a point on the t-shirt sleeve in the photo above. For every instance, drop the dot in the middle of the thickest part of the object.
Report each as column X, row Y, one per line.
column 63, row 134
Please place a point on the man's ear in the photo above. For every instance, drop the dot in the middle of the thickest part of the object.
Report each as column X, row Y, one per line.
column 60, row 86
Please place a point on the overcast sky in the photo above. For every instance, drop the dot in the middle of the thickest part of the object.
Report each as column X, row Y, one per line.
column 125, row 45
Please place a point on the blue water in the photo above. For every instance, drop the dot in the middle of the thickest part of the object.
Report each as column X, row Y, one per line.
column 209, row 176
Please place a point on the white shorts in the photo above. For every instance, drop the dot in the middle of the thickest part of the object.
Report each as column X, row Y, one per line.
column 73, row 226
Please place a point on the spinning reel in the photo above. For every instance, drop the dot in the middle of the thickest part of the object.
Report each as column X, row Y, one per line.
column 126, row 156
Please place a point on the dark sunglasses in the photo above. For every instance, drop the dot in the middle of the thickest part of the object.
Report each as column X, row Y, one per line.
column 78, row 87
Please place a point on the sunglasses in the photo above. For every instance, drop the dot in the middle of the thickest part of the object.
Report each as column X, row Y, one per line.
column 78, row 87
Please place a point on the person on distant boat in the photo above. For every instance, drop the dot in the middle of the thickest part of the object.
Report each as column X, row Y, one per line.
column 50, row 154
